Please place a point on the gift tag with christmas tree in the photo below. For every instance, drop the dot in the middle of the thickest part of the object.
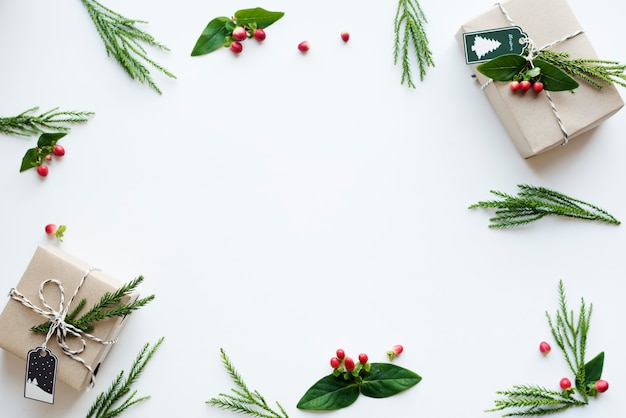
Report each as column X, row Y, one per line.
column 489, row 44
column 41, row 371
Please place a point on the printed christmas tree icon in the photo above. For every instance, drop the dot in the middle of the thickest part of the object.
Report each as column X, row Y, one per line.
column 483, row 46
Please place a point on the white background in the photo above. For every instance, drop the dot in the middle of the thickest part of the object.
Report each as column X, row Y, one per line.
column 283, row 205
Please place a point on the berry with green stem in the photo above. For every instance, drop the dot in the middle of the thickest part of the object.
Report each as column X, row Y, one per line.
column 395, row 351
column 544, row 347
column 42, row 170
column 538, row 86
column 363, row 358
column 514, row 86
column 57, row 232
column 335, row 362
column 601, row 385
column 340, row 354
column 565, row 383
column 236, row 47
column 259, row 34
column 239, row 33
column 524, row 85
column 58, row 150
column 349, row 363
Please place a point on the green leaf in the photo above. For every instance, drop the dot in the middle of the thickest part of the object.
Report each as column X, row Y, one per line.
column 593, row 369
column 49, row 139
column 30, row 160
column 504, row 67
column 259, row 16
column 385, row 379
column 213, row 36
column 553, row 78
column 329, row 393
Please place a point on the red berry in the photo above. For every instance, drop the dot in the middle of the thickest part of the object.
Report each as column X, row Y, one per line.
column 51, row 229
column 514, row 85
column 601, row 386
column 341, row 354
column 58, row 150
column 49, row 157
column 349, row 363
column 304, row 46
column 236, row 47
column 42, row 170
column 397, row 349
column 239, row 33
column 565, row 383
column 259, row 34
column 524, row 85
column 335, row 362
column 345, row 36
column 544, row 347
column 363, row 358
column 538, row 86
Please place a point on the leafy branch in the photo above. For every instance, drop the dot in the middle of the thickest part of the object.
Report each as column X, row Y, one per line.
column 593, row 71
column 27, row 124
column 109, row 306
column 104, row 405
column 123, row 41
column 533, row 203
column 244, row 401
column 570, row 332
column 410, row 32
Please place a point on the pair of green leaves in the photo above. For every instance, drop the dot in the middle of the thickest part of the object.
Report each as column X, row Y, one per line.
column 334, row 392
column 215, row 35
column 508, row 67
column 34, row 156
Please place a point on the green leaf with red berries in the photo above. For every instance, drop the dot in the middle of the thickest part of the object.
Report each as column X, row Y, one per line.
column 593, row 369
column 336, row 392
column 45, row 144
column 258, row 16
column 213, row 37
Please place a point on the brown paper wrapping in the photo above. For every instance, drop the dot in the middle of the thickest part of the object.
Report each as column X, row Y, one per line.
column 50, row 262
column 528, row 117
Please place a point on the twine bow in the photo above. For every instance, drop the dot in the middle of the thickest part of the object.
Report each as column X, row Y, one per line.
column 58, row 325
column 533, row 51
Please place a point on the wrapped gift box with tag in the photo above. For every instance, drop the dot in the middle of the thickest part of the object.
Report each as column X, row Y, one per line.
column 537, row 122
column 16, row 320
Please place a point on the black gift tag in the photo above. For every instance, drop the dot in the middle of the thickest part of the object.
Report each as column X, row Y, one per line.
column 41, row 372
column 488, row 44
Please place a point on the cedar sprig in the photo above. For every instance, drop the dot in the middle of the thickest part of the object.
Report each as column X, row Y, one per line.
column 123, row 41
column 109, row 306
column 533, row 203
column 593, row 71
column 104, row 405
column 244, row 400
column 54, row 120
column 410, row 33
column 570, row 332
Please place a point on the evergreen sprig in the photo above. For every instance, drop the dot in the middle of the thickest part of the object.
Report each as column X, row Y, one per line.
column 109, row 306
column 123, row 41
column 410, row 32
column 533, row 203
column 570, row 332
column 244, row 400
column 105, row 404
column 593, row 71
column 54, row 120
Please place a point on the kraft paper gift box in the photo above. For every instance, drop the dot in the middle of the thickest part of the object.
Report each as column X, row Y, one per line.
column 50, row 262
column 528, row 117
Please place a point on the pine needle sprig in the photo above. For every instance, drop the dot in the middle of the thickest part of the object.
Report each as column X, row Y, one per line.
column 533, row 203
column 410, row 32
column 244, row 400
column 123, row 41
column 103, row 406
column 27, row 124
column 533, row 400
column 109, row 306
column 593, row 71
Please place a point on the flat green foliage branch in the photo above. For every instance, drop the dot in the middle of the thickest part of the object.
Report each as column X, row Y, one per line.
column 533, row 203
column 124, row 41
column 54, row 120
column 109, row 306
column 570, row 330
column 242, row 399
column 106, row 404
column 218, row 32
column 339, row 390
column 410, row 36
column 555, row 69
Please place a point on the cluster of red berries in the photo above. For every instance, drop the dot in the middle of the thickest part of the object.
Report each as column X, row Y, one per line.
column 525, row 85
column 241, row 33
column 344, row 365
column 599, row 385
column 58, row 151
